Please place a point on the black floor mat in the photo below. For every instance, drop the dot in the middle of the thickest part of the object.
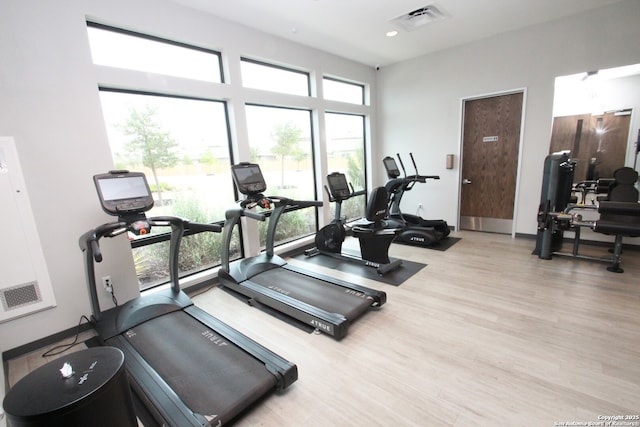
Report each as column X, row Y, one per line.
column 395, row 277
column 441, row 245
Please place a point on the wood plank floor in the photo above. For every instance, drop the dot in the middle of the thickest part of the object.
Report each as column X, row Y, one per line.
column 487, row 334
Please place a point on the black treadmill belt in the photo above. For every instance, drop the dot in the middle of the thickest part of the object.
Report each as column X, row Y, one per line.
column 321, row 294
column 212, row 376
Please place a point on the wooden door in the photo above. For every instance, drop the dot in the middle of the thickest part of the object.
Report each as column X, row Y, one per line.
column 598, row 143
column 574, row 133
column 611, row 132
column 490, row 145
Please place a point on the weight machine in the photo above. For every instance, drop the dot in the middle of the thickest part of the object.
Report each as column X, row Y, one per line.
column 619, row 214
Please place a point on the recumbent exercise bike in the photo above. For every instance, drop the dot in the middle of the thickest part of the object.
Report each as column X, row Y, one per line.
column 375, row 235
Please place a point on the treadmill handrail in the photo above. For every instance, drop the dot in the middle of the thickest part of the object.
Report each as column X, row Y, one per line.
column 281, row 204
column 299, row 203
column 233, row 215
column 89, row 244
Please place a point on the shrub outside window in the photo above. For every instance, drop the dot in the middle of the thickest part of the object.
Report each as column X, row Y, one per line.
column 280, row 142
column 345, row 153
column 182, row 146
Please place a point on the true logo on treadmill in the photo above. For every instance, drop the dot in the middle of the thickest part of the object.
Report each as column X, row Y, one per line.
column 321, row 325
column 417, row 239
column 355, row 293
column 279, row 290
column 219, row 341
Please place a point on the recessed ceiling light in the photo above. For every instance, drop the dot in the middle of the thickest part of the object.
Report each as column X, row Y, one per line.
column 392, row 33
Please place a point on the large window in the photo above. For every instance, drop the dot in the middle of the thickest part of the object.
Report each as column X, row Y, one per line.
column 345, row 153
column 177, row 130
column 280, row 141
column 182, row 145
column 134, row 51
column 259, row 75
column 338, row 90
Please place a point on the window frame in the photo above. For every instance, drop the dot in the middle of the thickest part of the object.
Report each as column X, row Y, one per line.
column 346, row 82
column 165, row 236
column 94, row 24
column 313, row 164
column 364, row 152
column 236, row 97
column 277, row 67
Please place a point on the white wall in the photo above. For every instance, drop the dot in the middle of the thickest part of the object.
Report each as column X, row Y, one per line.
column 49, row 103
column 419, row 102
column 50, row 106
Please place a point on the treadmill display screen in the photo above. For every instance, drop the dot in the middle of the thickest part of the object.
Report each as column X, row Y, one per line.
column 391, row 166
column 248, row 177
column 123, row 192
column 338, row 185
column 123, row 188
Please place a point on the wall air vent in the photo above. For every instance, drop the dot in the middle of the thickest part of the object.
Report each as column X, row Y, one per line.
column 25, row 285
column 419, row 18
column 21, row 295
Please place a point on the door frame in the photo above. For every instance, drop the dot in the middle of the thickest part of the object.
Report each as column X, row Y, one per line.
column 523, row 90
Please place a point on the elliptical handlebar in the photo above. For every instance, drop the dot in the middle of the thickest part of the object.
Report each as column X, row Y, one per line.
column 402, row 164
column 421, row 178
column 408, row 181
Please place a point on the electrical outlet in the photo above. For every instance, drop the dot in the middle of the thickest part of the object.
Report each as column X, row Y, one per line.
column 419, row 205
column 107, row 284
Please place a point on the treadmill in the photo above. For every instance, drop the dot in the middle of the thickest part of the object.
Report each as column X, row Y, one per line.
column 187, row 367
column 327, row 304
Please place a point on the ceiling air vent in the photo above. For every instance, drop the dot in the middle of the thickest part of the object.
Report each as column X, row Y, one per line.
column 420, row 17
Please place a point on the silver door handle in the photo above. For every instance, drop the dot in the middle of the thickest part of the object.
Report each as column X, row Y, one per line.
column 466, row 181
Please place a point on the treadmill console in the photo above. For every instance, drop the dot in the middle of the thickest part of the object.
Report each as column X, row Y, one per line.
column 248, row 178
column 123, row 192
column 338, row 186
column 391, row 166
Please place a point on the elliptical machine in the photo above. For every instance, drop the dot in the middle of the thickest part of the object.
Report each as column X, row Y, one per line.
column 374, row 237
column 416, row 230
